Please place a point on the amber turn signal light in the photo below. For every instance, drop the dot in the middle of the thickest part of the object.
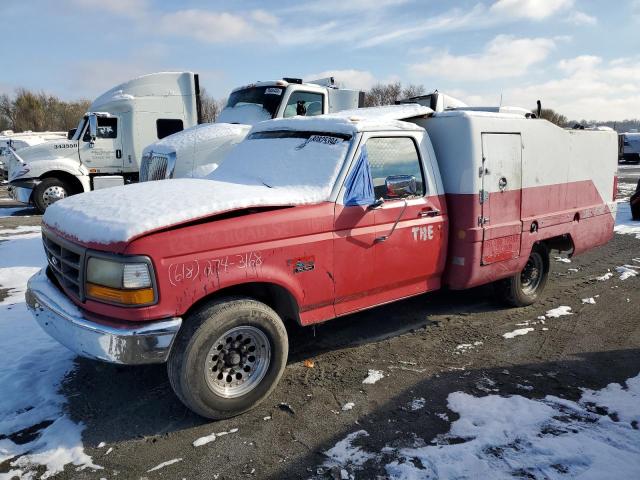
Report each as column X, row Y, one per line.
column 141, row 296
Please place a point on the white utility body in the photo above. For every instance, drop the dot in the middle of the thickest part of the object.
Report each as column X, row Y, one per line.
column 196, row 152
column 106, row 147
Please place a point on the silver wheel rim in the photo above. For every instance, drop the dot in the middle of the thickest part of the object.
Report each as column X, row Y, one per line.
column 531, row 275
column 237, row 361
column 53, row 194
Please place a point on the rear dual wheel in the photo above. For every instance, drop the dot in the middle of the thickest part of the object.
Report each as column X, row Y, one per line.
column 228, row 357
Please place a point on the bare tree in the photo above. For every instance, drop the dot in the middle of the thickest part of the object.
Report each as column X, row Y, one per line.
column 211, row 107
column 38, row 111
column 390, row 93
column 553, row 117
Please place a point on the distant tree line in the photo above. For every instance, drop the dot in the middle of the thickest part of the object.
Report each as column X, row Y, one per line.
column 38, row 111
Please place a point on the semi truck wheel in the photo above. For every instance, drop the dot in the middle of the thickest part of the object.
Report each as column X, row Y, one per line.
column 526, row 287
column 228, row 357
column 49, row 191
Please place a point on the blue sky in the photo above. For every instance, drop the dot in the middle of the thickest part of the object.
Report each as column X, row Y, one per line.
column 580, row 57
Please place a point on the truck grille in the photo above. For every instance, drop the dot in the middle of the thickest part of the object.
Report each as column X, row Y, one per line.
column 155, row 167
column 66, row 261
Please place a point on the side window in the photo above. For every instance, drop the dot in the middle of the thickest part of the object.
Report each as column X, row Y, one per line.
column 107, row 128
column 168, row 126
column 390, row 156
column 304, row 103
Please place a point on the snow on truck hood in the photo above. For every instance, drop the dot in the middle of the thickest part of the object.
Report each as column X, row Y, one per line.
column 258, row 172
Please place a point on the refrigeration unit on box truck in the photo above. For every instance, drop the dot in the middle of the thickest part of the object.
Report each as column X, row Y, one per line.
column 309, row 219
column 105, row 149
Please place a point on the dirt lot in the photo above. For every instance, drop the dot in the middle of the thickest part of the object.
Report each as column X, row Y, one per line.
column 415, row 343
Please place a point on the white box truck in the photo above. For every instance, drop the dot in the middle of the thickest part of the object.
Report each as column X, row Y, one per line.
column 197, row 152
column 106, row 147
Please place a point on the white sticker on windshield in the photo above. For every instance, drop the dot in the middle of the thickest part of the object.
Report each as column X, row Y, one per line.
column 323, row 139
column 273, row 91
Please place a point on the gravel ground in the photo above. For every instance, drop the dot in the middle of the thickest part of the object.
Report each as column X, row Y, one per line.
column 415, row 343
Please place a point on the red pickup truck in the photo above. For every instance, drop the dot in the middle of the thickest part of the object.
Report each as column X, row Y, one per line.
column 311, row 219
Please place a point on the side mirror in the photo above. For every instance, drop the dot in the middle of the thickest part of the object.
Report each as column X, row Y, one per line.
column 401, row 186
column 71, row 133
column 93, row 128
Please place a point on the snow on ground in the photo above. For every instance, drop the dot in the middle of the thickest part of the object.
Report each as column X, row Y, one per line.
column 373, row 376
column 32, row 366
column 558, row 312
column 505, row 437
column 624, row 224
column 518, row 332
column 627, row 271
column 605, row 277
column 589, row 300
column 465, row 347
column 164, row 464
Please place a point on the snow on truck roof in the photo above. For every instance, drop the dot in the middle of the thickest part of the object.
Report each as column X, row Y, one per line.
column 352, row 121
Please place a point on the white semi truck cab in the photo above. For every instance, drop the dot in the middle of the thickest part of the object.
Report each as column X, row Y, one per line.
column 106, row 147
column 199, row 151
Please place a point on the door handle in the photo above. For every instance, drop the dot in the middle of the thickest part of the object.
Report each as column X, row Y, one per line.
column 118, row 153
column 429, row 212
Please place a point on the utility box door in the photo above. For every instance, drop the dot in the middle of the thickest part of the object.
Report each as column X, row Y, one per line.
column 501, row 196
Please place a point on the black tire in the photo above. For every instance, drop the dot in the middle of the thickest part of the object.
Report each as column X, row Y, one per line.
column 191, row 357
column 43, row 194
column 526, row 287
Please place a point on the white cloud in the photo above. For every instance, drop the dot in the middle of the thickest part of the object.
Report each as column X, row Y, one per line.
column 581, row 18
column 590, row 89
column 505, row 56
column 342, row 6
column 215, row 27
column 356, row 79
column 530, row 9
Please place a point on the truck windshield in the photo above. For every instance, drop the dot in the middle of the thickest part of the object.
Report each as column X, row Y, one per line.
column 251, row 105
column 286, row 159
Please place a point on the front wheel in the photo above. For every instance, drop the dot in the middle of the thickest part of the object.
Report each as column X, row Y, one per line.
column 49, row 191
column 228, row 357
column 526, row 287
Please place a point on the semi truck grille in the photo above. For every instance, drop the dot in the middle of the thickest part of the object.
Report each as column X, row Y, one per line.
column 155, row 167
column 66, row 261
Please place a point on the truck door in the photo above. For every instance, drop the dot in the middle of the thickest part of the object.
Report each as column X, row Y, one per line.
column 106, row 154
column 501, row 196
column 410, row 230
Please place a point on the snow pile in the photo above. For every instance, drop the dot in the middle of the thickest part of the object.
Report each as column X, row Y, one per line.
column 261, row 172
column 589, row 301
column 625, row 225
column 505, row 437
column 373, row 376
column 32, row 366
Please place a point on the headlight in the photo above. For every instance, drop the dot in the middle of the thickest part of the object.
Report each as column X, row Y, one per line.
column 126, row 283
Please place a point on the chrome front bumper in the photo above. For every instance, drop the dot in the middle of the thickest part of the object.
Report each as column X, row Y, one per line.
column 121, row 342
